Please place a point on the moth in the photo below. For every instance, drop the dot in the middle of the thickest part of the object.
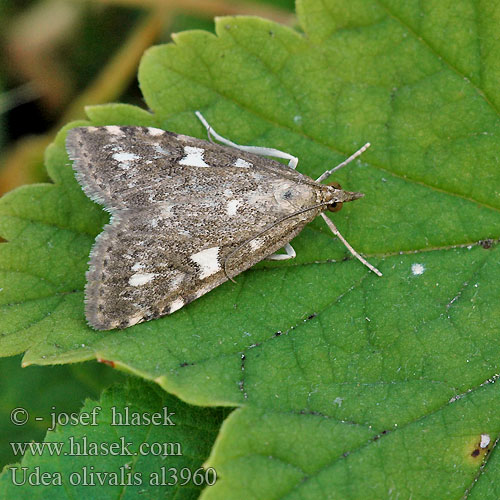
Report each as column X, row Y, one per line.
column 186, row 215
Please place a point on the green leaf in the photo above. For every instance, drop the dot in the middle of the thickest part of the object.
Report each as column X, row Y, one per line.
column 330, row 355
column 136, row 442
column 27, row 388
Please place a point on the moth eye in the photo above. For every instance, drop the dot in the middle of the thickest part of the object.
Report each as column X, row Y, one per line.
column 335, row 206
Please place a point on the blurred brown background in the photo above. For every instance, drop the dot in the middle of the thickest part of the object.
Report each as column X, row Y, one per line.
column 61, row 55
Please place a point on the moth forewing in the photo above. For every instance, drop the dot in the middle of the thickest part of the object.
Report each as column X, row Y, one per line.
column 150, row 271
column 186, row 215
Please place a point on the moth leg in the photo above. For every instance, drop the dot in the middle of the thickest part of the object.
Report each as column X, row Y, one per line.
column 290, row 254
column 256, row 150
column 209, row 134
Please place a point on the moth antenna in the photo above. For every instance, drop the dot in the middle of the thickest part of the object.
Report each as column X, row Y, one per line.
column 298, row 212
column 359, row 152
column 336, row 232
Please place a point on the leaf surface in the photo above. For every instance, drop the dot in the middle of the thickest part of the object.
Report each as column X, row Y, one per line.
column 135, row 442
column 347, row 381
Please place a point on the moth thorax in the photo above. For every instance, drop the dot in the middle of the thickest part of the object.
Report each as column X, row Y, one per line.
column 293, row 196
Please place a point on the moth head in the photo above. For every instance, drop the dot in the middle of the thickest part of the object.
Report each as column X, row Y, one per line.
column 339, row 196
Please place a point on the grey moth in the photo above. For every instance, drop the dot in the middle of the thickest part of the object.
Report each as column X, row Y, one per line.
column 187, row 215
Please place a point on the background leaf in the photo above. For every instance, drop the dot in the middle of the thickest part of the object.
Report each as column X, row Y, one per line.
column 27, row 388
column 135, row 460
column 393, row 377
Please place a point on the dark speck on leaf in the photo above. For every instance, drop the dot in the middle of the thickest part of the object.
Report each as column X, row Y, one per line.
column 475, row 453
column 486, row 244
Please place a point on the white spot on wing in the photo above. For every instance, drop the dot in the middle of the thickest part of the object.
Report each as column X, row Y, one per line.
column 155, row 131
column 161, row 151
column 417, row 269
column 114, row 130
column 166, row 209
column 194, row 157
column 208, row 260
column 232, row 207
column 256, row 243
column 242, row 163
column 176, row 305
column 137, row 266
column 176, row 281
column 139, row 279
column 125, row 157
